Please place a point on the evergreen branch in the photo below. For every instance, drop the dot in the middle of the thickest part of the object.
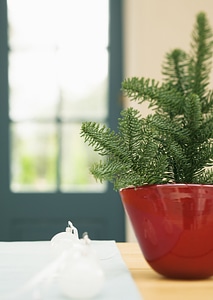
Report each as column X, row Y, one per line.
column 175, row 70
column 201, row 54
column 141, row 89
column 103, row 140
column 204, row 177
column 207, row 103
column 205, row 131
column 162, row 98
column 192, row 113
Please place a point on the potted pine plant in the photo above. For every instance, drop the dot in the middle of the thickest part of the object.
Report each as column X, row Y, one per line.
column 162, row 164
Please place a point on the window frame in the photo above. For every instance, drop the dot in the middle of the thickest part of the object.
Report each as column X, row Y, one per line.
column 24, row 210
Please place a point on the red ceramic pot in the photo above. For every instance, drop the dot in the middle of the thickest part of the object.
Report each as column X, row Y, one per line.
column 173, row 224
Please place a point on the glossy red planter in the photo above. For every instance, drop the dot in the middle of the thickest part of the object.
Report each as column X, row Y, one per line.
column 173, row 224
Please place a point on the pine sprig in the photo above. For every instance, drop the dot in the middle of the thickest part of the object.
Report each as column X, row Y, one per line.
column 103, row 140
column 201, row 55
column 137, row 151
column 162, row 99
column 174, row 70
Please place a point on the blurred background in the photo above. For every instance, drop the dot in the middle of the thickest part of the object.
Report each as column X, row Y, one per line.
column 62, row 63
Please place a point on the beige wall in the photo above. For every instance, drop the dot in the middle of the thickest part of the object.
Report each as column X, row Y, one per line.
column 152, row 28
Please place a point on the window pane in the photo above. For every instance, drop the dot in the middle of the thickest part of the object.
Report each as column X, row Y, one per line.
column 76, row 159
column 84, row 83
column 82, row 23
column 34, row 157
column 33, row 85
column 58, row 74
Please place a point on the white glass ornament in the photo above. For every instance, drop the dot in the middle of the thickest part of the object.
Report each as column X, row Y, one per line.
column 64, row 241
column 81, row 276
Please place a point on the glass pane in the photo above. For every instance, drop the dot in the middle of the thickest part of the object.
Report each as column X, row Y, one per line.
column 60, row 61
column 82, row 23
column 84, row 84
column 76, row 159
column 33, row 85
column 32, row 23
column 33, row 158
column 58, row 72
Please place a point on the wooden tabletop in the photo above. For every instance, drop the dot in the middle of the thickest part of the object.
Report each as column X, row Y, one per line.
column 155, row 287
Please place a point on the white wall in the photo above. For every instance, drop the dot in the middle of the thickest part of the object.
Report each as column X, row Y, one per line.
column 152, row 28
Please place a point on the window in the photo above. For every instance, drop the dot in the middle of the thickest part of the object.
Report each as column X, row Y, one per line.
column 54, row 74
column 58, row 77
